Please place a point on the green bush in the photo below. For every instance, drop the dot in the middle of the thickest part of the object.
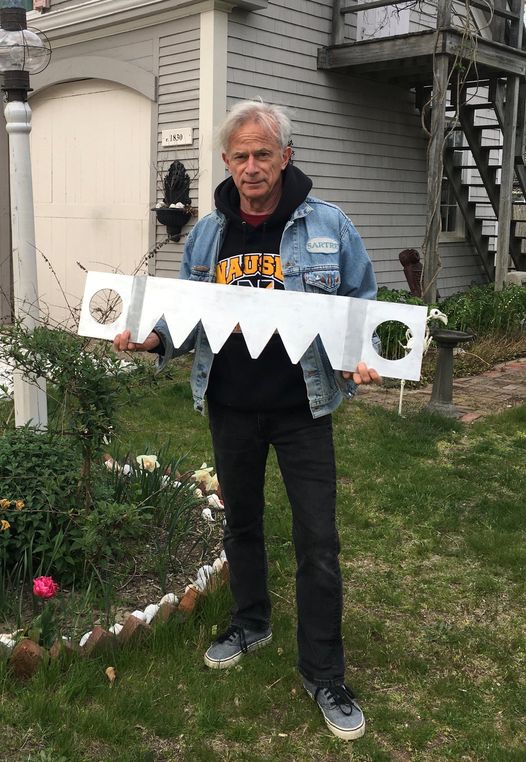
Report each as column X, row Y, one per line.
column 104, row 531
column 50, row 531
column 483, row 311
column 62, row 512
column 392, row 333
column 87, row 384
column 39, row 475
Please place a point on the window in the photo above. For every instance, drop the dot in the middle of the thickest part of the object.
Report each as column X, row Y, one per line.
column 449, row 211
column 451, row 220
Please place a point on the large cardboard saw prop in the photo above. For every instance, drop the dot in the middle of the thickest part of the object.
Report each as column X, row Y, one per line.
column 344, row 324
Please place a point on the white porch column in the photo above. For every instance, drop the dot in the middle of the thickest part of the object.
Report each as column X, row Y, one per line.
column 5, row 228
column 212, row 103
column 30, row 397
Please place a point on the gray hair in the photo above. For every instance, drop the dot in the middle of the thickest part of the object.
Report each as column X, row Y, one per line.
column 273, row 118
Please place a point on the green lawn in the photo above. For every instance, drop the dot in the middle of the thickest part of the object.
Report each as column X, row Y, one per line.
column 432, row 522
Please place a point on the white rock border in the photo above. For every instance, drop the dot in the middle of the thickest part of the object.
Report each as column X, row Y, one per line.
column 203, row 581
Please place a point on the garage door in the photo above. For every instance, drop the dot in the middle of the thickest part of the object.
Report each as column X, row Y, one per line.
column 90, row 147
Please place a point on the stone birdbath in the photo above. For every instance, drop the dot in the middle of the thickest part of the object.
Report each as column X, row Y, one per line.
column 442, row 393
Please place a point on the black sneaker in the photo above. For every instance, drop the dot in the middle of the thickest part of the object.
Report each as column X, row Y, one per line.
column 342, row 714
column 232, row 644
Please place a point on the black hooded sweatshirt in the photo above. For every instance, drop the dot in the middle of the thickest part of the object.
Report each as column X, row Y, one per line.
column 249, row 257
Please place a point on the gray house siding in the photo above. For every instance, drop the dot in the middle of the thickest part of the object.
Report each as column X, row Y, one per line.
column 178, row 105
column 56, row 5
column 460, row 269
column 424, row 16
column 360, row 142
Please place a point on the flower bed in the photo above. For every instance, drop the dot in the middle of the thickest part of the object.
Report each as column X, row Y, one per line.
column 192, row 498
column 26, row 655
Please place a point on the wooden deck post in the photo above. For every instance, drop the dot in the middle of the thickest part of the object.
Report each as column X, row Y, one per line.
column 435, row 166
column 506, row 181
column 512, row 130
column 338, row 24
column 509, row 136
column 435, row 162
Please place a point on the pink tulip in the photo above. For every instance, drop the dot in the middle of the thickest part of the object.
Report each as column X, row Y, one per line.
column 45, row 587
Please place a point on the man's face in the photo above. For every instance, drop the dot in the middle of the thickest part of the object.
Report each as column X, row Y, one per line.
column 255, row 161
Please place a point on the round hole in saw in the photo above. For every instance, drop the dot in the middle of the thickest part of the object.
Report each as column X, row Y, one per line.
column 105, row 306
column 396, row 340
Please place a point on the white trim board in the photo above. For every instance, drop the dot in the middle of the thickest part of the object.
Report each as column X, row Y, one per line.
column 212, row 103
column 101, row 17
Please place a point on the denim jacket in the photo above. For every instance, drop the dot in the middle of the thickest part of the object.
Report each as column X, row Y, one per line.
column 321, row 252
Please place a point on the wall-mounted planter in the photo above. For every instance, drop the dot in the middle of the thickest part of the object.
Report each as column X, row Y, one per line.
column 176, row 207
column 174, row 219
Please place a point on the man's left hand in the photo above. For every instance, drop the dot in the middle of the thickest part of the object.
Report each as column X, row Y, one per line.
column 363, row 375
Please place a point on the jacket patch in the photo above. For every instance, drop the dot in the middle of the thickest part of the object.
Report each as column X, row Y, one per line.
column 322, row 245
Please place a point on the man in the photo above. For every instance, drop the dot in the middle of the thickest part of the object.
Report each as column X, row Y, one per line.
column 264, row 234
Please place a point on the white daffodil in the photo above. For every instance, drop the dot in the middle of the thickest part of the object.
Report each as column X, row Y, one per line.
column 204, row 478
column 148, row 462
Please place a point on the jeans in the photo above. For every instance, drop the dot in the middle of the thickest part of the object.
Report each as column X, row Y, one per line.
column 305, row 453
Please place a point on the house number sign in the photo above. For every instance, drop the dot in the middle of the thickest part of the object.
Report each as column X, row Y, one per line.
column 177, row 136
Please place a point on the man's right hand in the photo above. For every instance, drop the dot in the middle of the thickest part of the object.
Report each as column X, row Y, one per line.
column 122, row 343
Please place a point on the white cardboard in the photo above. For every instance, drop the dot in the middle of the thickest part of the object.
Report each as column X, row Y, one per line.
column 344, row 324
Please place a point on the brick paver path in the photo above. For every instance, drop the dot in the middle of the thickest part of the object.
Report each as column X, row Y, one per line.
column 502, row 387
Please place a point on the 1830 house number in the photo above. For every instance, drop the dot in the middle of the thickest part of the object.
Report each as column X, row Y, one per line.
column 178, row 136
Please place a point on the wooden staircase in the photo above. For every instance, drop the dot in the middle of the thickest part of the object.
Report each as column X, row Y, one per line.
column 472, row 165
column 482, row 40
